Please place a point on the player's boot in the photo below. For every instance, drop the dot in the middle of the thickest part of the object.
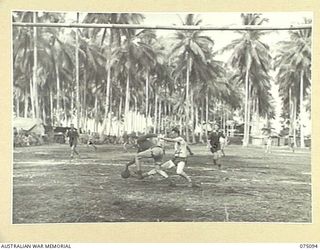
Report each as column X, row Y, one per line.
column 193, row 185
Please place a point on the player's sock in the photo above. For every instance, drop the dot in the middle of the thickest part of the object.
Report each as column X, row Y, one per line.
column 139, row 173
column 214, row 162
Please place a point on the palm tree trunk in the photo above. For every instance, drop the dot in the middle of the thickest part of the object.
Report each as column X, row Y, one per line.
column 197, row 118
column 84, row 103
column 192, row 117
column 17, row 106
column 96, row 120
column 207, row 113
column 110, row 108
column 155, row 114
column 58, row 95
column 224, row 119
column 147, row 100
column 44, row 112
column 119, row 114
column 135, row 114
column 180, row 124
column 32, row 99
column 107, row 109
column 249, row 114
column 187, row 99
column 26, row 103
column 72, row 105
column 165, row 120
column 201, row 120
column 77, row 76
column 290, row 112
column 245, row 136
column 294, row 121
column 35, row 62
column 127, row 101
column 301, row 111
column 51, row 105
column 159, row 116
column 65, row 112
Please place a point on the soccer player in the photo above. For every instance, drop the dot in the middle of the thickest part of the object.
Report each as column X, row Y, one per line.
column 148, row 147
column 180, row 156
column 215, row 146
column 223, row 143
column 291, row 143
column 268, row 144
column 73, row 136
column 91, row 141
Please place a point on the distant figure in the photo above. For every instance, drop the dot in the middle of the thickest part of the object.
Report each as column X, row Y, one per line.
column 291, row 143
column 215, row 146
column 268, row 144
column 223, row 142
column 73, row 136
column 91, row 141
column 125, row 138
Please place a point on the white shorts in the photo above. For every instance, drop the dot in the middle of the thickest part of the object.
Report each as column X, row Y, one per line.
column 217, row 155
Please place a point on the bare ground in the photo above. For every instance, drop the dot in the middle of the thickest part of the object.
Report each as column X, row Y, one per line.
column 251, row 187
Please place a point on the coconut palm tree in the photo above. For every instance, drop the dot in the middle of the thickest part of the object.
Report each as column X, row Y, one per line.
column 252, row 59
column 114, row 41
column 293, row 64
column 191, row 52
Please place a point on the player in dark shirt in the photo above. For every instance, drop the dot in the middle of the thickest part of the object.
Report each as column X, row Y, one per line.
column 148, row 147
column 215, row 146
column 73, row 136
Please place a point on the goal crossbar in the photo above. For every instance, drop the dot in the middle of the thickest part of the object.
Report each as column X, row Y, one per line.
column 163, row 27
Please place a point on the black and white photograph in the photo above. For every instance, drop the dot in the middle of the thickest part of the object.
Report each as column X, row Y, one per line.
column 161, row 117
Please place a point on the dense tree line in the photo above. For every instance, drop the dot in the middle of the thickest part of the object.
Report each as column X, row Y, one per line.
column 116, row 80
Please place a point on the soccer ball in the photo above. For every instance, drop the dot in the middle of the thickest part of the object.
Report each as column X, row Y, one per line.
column 125, row 174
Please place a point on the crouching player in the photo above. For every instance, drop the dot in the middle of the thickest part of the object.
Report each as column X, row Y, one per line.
column 180, row 156
column 149, row 146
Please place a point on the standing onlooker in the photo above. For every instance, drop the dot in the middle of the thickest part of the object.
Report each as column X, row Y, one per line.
column 215, row 146
column 73, row 136
column 268, row 144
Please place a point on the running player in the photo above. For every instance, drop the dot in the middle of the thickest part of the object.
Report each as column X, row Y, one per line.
column 180, row 156
column 73, row 136
column 215, row 146
column 91, row 141
column 223, row 143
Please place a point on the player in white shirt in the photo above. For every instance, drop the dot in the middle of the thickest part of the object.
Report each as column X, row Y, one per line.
column 180, row 156
column 91, row 140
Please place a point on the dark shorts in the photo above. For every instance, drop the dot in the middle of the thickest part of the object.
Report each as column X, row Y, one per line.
column 156, row 153
column 72, row 143
column 176, row 160
column 214, row 149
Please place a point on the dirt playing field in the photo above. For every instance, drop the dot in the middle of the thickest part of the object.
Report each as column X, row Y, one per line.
column 251, row 187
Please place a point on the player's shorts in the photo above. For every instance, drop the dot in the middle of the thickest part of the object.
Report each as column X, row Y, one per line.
column 217, row 154
column 72, row 143
column 215, row 148
column 90, row 142
column 156, row 153
column 177, row 159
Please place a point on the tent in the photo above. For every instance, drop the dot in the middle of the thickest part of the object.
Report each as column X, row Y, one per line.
column 29, row 125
